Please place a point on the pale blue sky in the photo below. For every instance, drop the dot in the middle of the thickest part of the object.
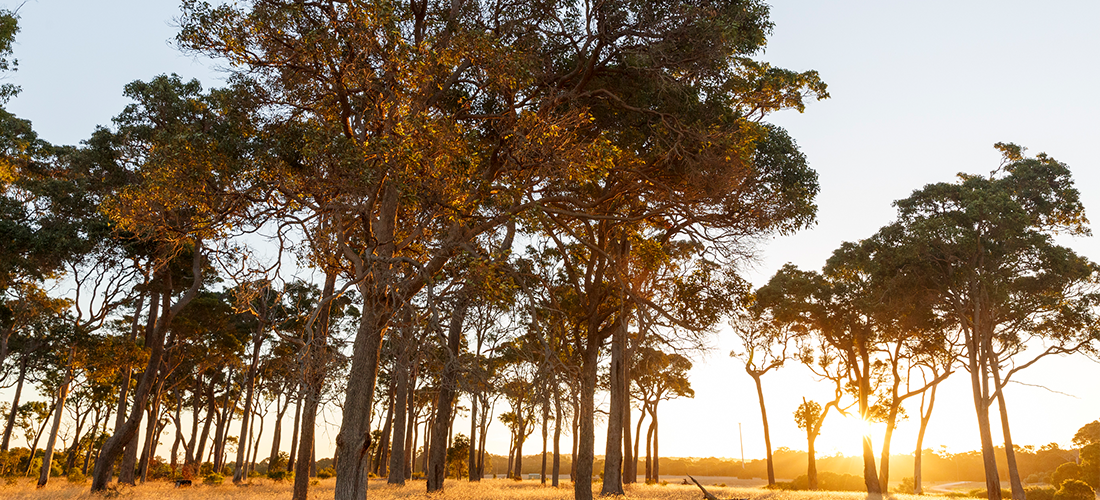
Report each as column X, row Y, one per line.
column 920, row 91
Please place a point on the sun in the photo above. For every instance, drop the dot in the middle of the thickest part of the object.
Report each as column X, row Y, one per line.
column 844, row 434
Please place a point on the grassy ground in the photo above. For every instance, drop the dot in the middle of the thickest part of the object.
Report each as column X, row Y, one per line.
column 494, row 489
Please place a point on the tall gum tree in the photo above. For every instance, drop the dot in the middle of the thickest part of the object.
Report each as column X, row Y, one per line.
column 984, row 245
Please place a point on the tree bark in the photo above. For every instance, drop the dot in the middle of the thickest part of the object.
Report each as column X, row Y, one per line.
column 978, row 382
column 294, row 432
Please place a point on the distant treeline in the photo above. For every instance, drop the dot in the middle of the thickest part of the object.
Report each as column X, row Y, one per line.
column 1036, row 465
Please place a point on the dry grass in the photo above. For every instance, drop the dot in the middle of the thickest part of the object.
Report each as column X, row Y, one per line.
column 502, row 489
column 258, row 489
column 489, row 489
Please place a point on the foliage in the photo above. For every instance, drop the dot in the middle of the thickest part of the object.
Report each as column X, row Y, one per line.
column 1073, row 489
column 213, row 479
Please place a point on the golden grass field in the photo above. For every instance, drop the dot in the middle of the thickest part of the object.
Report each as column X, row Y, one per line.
column 489, row 489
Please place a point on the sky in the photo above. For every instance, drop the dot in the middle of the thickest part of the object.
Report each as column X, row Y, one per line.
column 920, row 91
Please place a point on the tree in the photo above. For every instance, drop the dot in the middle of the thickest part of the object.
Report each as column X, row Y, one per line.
column 765, row 348
column 985, row 245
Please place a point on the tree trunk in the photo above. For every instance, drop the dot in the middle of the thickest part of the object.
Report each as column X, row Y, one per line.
column 613, row 451
column 316, row 359
column 59, row 409
column 115, row 444
column 649, row 453
column 870, row 475
column 811, row 466
column 294, row 432
column 353, row 441
column 401, row 391
column 250, row 384
column 277, row 433
column 767, row 434
column 586, row 441
column 638, row 438
column 656, row 450
column 884, row 460
column 437, row 452
column 471, row 459
column 978, row 383
column 1010, row 451
column 556, row 470
column 545, row 438
column 37, row 438
column 925, row 416
column 10, row 424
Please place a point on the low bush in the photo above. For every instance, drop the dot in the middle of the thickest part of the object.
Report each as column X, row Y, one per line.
column 213, row 479
column 326, row 473
column 280, row 475
column 75, row 476
column 1037, row 493
column 1075, row 489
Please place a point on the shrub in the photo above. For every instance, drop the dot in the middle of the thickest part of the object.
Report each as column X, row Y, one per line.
column 1064, row 472
column 1075, row 489
column 326, row 473
column 983, row 493
column 907, row 485
column 75, row 476
column 279, row 475
column 253, row 473
column 213, row 479
column 1039, row 493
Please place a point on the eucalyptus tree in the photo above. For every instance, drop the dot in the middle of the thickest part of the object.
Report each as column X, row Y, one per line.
column 835, row 307
column 659, row 376
column 765, row 347
column 184, row 153
column 985, row 245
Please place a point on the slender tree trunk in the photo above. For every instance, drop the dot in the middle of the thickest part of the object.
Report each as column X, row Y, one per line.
column 638, row 436
column 114, row 445
column 767, row 434
column 630, row 463
column 294, row 432
column 59, row 409
column 277, row 432
column 979, row 382
column 649, row 453
column 250, row 384
column 613, row 451
column 471, row 459
column 316, row 359
column 811, row 466
column 582, row 482
column 70, row 455
column 656, row 448
column 10, row 424
column 37, row 438
column 576, row 436
column 925, row 416
column 437, row 453
column 556, row 470
column 256, row 447
column 545, row 438
column 1010, row 451
column 401, row 392
column 887, row 437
